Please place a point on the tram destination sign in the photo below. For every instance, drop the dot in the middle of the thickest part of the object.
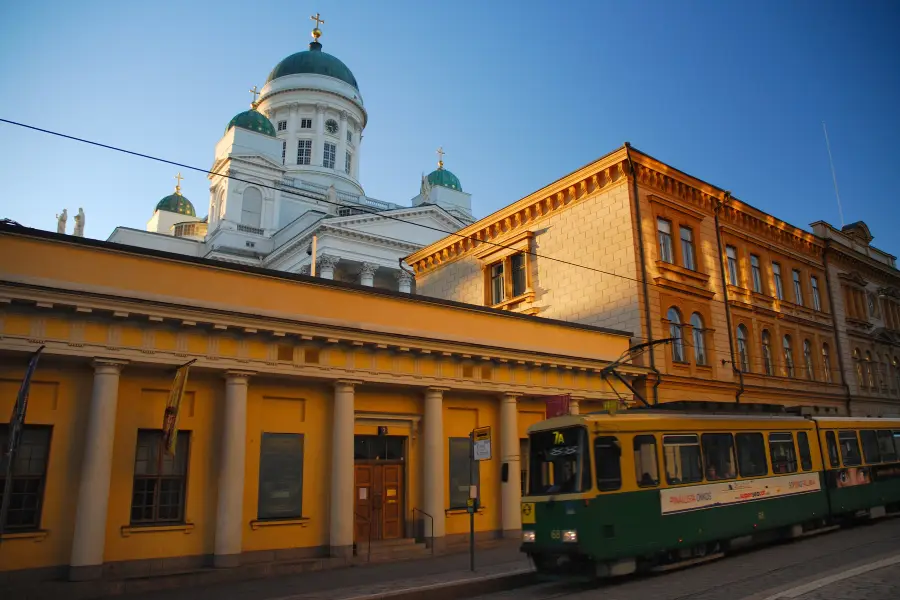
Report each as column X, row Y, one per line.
column 481, row 438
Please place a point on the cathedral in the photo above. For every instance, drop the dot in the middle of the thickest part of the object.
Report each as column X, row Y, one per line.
column 285, row 191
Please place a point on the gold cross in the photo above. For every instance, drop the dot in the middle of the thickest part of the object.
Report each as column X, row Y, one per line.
column 318, row 20
column 178, row 178
column 255, row 93
column 440, row 152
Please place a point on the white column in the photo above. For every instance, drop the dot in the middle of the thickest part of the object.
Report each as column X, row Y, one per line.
column 367, row 274
column 341, row 502
column 93, row 487
column 325, row 266
column 510, row 490
column 404, row 280
column 340, row 160
column 434, row 442
column 574, row 405
column 230, row 511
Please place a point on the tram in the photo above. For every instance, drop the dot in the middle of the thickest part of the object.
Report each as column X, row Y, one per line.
column 654, row 489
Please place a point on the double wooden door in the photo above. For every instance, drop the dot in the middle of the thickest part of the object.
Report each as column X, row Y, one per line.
column 378, row 501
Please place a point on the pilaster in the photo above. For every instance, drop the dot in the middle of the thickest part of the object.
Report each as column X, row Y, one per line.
column 510, row 490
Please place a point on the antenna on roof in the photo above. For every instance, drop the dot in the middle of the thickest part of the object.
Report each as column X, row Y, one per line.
column 833, row 176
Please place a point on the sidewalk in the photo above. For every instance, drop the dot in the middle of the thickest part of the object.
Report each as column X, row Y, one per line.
column 498, row 567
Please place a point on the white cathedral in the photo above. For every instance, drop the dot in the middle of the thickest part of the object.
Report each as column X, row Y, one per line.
column 292, row 173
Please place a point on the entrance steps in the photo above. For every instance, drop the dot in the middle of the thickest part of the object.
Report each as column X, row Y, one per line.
column 390, row 550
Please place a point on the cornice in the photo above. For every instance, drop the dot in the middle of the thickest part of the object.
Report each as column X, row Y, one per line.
column 871, row 267
column 304, row 239
column 362, row 109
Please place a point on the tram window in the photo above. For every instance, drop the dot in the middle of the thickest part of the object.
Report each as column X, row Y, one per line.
column 682, row 459
column 897, row 443
column 886, row 446
column 646, row 471
column 870, row 446
column 833, row 457
column 718, row 456
column 559, row 462
column 849, row 448
column 608, row 453
column 751, row 454
column 781, row 451
column 803, row 446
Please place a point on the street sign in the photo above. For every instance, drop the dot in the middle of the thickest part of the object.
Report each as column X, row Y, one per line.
column 482, row 440
column 556, row 406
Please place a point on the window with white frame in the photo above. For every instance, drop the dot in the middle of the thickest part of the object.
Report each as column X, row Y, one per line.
column 282, row 125
column 743, row 352
column 817, row 300
column 305, row 123
column 788, row 356
column 349, row 136
column 347, row 162
column 328, row 156
column 826, row 363
column 731, row 253
column 699, row 339
column 498, row 289
column 776, row 273
column 767, row 353
column 808, row 360
column 304, row 152
column 798, row 289
column 283, row 150
column 507, row 278
column 664, row 229
column 755, row 273
column 675, row 333
column 687, row 248
column 251, row 208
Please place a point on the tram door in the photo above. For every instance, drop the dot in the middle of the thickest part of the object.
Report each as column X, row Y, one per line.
column 379, row 489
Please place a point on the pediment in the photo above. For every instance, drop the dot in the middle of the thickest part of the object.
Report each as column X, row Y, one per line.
column 418, row 225
column 854, row 277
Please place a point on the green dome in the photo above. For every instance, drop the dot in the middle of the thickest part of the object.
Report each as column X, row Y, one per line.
column 313, row 61
column 445, row 178
column 254, row 121
column 177, row 203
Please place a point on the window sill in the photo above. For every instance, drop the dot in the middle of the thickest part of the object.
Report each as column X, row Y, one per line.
column 526, row 297
column 129, row 530
column 260, row 523
column 36, row 536
column 702, row 278
column 462, row 511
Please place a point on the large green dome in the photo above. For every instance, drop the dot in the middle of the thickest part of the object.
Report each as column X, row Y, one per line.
column 313, row 61
column 445, row 178
column 254, row 121
column 177, row 203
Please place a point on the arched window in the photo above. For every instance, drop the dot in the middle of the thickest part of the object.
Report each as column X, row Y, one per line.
column 743, row 355
column 858, row 362
column 767, row 352
column 699, row 339
column 675, row 332
column 826, row 363
column 251, row 209
column 788, row 357
column 870, row 376
column 808, row 359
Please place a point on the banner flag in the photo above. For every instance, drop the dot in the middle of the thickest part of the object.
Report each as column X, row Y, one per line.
column 173, row 406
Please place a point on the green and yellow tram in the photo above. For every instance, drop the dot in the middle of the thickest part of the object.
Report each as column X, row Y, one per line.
column 612, row 494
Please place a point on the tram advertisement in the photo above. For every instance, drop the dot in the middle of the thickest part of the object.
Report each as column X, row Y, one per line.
column 696, row 497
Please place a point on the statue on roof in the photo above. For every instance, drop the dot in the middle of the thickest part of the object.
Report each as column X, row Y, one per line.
column 79, row 223
column 61, row 221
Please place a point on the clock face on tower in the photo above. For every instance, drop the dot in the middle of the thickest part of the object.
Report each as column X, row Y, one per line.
column 331, row 126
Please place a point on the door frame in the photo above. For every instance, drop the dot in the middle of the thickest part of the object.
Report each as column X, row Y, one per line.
column 404, row 525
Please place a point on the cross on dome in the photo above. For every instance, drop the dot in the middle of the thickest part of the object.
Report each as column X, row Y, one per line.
column 317, row 33
column 440, row 153
column 178, row 179
column 255, row 93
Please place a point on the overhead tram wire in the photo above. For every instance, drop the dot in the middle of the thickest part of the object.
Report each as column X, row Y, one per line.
column 339, row 204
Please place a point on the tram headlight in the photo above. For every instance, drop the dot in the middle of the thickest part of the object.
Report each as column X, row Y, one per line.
column 528, row 537
column 570, row 536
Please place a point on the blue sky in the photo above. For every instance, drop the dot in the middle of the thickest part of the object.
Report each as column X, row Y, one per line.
column 518, row 93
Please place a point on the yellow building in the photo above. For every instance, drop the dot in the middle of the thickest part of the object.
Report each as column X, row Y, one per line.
column 317, row 413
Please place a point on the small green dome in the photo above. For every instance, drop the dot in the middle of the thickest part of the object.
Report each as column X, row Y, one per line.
column 313, row 61
column 445, row 178
column 177, row 203
column 254, row 121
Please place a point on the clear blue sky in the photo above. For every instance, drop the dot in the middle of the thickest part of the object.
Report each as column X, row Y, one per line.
column 518, row 93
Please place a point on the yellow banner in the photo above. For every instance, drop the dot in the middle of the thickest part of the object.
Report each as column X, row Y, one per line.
column 173, row 406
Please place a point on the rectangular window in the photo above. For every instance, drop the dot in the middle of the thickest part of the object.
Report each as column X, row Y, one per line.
column 304, row 152
column 349, row 137
column 803, row 446
column 834, row 458
column 886, row 446
column 756, row 273
column 347, row 162
column 158, row 494
column 798, row 289
column 646, row 469
column 731, row 253
column 776, row 273
column 751, row 455
column 870, row 446
column 498, row 292
column 519, row 279
column 305, row 123
column 460, row 475
column 282, row 125
column 29, row 475
column 283, row 150
column 560, row 462
column 849, row 448
column 682, row 454
column 664, row 229
column 607, row 453
column 817, row 300
column 718, row 456
column 329, row 155
column 782, row 453
column 687, row 248
column 280, row 476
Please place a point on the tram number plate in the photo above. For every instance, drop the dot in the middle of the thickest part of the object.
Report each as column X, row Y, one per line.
column 528, row 516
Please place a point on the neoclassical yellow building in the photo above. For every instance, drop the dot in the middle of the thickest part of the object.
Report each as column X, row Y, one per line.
column 317, row 413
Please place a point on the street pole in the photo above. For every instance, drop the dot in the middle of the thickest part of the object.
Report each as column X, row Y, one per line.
column 471, row 502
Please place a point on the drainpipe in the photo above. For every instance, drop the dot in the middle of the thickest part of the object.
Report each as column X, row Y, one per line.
column 837, row 338
column 734, row 365
column 640, row 233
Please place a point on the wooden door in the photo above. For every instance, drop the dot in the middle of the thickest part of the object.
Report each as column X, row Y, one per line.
column 391, row 518
column 363, row 502
column 378, row 501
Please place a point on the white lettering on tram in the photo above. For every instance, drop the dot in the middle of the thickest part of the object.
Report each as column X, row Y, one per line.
column 696, row 497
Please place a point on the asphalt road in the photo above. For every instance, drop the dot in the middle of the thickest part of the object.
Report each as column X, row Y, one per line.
column 833, row 566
